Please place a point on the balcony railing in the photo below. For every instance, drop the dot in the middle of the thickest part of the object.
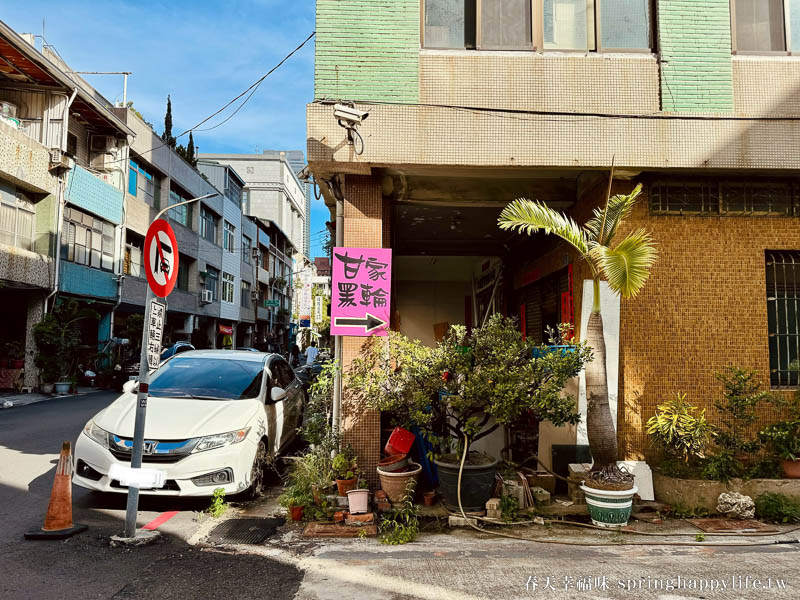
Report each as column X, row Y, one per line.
column 87, row 191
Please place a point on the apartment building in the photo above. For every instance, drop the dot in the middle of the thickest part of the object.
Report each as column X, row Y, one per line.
column 62, row 156
column 273, row 190
column 474, row 104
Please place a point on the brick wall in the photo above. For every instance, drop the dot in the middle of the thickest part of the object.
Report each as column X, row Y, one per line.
column 694, row 37
column 367, row 49
column 364, row 227
column 703, row 308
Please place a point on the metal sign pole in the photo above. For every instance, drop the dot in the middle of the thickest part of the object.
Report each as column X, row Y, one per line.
column 138, row 428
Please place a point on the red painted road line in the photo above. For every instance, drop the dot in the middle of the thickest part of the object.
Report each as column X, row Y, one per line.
column 160, row 520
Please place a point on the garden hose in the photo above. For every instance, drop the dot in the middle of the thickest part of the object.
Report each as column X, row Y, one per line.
column 577, row 543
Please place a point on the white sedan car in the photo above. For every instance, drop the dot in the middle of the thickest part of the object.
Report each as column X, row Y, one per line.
column 215, row 419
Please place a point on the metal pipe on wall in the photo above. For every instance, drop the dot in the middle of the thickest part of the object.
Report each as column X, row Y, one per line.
column 337, row 384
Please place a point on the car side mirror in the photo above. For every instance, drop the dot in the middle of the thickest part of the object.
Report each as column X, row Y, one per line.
column 129, row 386
column 277, row 394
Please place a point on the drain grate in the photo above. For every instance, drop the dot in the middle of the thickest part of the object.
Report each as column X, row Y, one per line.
column 244, row 531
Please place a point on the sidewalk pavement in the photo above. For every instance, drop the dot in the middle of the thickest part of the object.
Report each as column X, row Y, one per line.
column 34, row 397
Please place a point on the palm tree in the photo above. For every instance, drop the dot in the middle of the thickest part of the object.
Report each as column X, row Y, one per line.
column 625, row 266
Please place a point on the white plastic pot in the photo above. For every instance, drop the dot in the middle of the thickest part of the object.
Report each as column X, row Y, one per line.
column 358, row 501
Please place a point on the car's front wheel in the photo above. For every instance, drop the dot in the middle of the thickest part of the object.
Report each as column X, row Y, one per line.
column 258, row 471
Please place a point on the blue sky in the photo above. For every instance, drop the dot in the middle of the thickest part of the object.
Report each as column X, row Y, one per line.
column 202, row 53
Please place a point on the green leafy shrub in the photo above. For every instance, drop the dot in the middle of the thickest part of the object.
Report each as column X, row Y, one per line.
column 738, row 407
column 318, row 413
column 469, row 384
column 345, row 465
column 778, row 508
column 401, row 525
column 680, row 429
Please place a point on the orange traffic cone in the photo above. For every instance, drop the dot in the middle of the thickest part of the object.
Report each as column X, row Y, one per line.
column 58, row 521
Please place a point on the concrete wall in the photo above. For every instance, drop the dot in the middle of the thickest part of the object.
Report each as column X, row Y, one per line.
column 367, row 49
column 441, row 137
column 620, row 83
column 24, row 162
column 84, row 190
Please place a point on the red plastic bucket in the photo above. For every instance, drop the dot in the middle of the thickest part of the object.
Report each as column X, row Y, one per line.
column 400, row 442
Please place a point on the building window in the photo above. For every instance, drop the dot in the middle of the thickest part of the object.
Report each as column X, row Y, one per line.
column 181, row 214
column 245, row 301
column 133, row 264
column 783, row 310
column 212, row 281
column 141, row 183
column 583, row 25
column 768, row 197
column 765, row 26
column 184, row 265
column 208, row 225
column 87, row 240
column 17, row 218
column 228, row 237
column 234, row 191
column 247, row 249
column 227, row 287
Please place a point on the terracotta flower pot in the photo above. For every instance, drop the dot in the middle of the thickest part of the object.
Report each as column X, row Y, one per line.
column 393, row 463
column 791, row 468
column 394, row 483
column 429, row 498
column 296, row 512
column 345, row 485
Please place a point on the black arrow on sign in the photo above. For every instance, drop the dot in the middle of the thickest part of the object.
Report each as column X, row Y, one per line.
column 369, row 322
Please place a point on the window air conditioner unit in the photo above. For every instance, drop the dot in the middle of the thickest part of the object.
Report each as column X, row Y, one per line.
column 101, row 143
column 254, row 296
column 206, row 296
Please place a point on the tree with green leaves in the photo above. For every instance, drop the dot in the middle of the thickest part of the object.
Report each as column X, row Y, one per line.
column 167, row 135
column 624, row 264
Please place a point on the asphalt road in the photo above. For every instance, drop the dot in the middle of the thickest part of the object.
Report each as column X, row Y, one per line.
column 460, row 565
column 85, row 566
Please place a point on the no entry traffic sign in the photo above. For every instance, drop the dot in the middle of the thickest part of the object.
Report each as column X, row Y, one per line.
column 161, row 258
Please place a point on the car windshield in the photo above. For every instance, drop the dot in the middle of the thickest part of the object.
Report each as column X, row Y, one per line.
column 208, row 378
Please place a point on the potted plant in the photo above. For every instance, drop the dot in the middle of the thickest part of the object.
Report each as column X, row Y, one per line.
column 57, row 337
column 625, row 265
column 15, row 352
column 461, row 391
column 295, row 500
column 784, row 439
column 345, row 471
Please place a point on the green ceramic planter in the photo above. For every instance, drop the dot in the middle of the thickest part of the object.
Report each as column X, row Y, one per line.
column 609, row 508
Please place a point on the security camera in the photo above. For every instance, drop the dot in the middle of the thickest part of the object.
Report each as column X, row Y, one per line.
column 350, row 115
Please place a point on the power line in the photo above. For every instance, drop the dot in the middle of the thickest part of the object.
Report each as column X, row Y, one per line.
column 520, row 113
column 254, row 86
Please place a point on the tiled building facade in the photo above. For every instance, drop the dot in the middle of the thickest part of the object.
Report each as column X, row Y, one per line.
column 695, row 100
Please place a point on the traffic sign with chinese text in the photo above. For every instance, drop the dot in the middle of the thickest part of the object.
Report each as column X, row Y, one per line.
column 161, row 258
column 155, row 331
column 361, row 296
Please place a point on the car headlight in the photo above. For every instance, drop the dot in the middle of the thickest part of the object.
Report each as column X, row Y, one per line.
column 210, row 442
column 99, row 435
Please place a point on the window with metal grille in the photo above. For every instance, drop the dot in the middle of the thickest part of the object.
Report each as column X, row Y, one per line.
column 783, row 308
column 768, row 197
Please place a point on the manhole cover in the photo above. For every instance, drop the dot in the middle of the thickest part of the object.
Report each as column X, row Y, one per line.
column 244, row 531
